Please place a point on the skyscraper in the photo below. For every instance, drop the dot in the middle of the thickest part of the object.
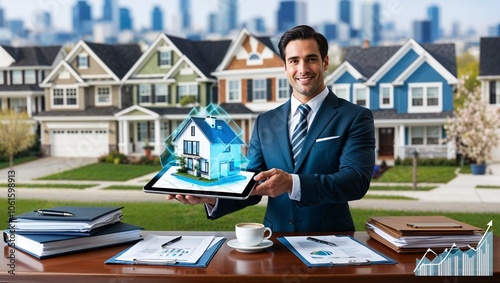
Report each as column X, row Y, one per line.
column 125, row 19
column 185, row 6
column 228, row 15
column 371, row 27
column 111, row 13
column 82, row 18
column 2, row 18
column 345, row 11
column 157, row 19
column 422, row 31
column 290, row 14
column 433, row 17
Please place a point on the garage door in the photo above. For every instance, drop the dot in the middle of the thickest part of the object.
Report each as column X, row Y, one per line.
column 79, row 143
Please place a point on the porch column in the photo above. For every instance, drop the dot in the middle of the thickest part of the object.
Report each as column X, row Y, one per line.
column 401, row 142
column 28, row 106
column 157, row 137
column 125, row 137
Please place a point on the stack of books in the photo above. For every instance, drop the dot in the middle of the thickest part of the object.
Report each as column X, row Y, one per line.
column 406, row 234
column 67, row 229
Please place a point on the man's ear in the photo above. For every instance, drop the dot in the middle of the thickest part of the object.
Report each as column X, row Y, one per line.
column 325, row 63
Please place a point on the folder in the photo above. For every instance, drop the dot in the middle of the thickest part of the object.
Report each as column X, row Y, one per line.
column 49, row 245
column 203, row 261
column 83, row 220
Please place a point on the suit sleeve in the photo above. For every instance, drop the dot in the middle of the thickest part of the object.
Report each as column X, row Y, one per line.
column 350, row 178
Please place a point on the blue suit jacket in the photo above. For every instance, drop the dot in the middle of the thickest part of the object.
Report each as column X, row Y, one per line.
column 335, row 166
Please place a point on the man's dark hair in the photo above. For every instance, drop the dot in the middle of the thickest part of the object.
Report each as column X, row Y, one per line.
column 303, row 32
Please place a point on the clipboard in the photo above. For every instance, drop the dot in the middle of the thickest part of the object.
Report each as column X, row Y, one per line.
column 347, row 262
column 202, row 262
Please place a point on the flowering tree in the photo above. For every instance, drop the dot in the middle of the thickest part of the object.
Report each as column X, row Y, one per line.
column 16, row 133
column 473, row 129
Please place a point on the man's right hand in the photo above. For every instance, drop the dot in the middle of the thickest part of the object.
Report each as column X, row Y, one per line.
column 189, row 199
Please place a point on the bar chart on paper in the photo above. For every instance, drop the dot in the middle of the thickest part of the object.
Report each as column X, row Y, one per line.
column 455, row 262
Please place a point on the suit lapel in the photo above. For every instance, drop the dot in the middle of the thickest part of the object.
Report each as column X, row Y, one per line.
column 325, row 114
column 283, row 139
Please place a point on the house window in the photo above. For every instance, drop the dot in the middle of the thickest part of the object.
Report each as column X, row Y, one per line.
column 254, row 59
column 386, row 96
column 193, row 131
column 283, row 89
column 165, row 58
column 203, row 166
column 145, row 131
column 103, row 96
column 425, row 97
column 192, row 147
column 259, row 90
column 17, row 77
column 64, row 97
column 342, row 91
column 144, row 93
column 83, row 61
column 233, row 90
column 361, row 95
column 161, row 93
column 188, row 90
column 425, row 135
column 30, row 77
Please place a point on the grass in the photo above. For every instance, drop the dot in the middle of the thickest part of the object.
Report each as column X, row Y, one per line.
column 399, row 188
column 487, row 187
column 425, row 174
column 17, row 161
column 171, row 216
column 50, row 186
column 104, row 172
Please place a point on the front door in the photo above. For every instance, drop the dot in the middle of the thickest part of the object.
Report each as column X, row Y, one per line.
column 386, row 142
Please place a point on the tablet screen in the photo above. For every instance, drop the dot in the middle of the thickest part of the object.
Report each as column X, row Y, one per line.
column 169, row 181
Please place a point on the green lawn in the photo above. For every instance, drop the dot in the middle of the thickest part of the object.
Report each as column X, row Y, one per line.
column 171, row 216
column 17, row 161
column 50, row 186
column 425, row 174
column 105, row 172
column 378, row 187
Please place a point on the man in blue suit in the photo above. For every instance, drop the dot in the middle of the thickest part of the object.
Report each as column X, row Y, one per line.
column 308, row 189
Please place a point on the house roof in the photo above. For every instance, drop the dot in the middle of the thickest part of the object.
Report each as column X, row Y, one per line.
column 221, row 133
column 236, row 108
column 489, row 62
column 205, row 54
column 119, row 58
column 391, row 114
column 369, row 60
column 23, row 87
column 92, row 111
column 32, row 55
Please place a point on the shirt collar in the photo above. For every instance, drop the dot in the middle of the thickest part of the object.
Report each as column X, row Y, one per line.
column 314, row 103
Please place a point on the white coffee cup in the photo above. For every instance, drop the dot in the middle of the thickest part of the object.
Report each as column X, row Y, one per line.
column 251, row 234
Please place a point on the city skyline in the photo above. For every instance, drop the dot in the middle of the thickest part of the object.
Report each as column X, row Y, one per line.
column 479, row 15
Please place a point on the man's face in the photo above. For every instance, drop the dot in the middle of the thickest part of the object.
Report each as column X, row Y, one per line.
column 305, row 69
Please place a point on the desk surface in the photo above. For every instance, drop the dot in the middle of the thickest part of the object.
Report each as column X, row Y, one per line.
column 275, row 264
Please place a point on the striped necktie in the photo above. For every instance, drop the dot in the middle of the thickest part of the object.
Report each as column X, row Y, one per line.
column 300, row 131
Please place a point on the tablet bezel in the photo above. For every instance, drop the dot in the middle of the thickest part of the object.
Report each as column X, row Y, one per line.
column 150, row 188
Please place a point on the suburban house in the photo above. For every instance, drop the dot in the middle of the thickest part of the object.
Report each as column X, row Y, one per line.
column 489, row 75
column 409, row 88
column 251, row 79
column 82, row 94
column 170, row 78
column 21, row 71
column 211, row 148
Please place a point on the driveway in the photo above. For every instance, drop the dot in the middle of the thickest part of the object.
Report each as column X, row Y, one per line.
column 46, row 166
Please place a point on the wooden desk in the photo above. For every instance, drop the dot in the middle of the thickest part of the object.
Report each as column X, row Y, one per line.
column 275, row 264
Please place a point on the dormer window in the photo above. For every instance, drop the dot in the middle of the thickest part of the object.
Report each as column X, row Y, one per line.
column 164, row 58
column 83, row 61
column 254, row 59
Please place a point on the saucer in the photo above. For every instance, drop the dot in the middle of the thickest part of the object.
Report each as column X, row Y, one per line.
column 244, row 249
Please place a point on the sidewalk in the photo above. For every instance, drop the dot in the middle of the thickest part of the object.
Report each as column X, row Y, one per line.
column 458, row 195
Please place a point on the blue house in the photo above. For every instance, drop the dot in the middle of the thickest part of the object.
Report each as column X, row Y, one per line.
column 409, row 88
column 211, row 148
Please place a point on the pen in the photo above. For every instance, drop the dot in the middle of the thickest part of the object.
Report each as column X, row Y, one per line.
column 171, row 241
column 49, row 212
column 321, row 241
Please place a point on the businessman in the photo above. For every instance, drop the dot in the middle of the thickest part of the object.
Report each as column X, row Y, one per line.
column 316, row 151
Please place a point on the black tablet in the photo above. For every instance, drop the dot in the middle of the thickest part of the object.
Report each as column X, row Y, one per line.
column 169, row 181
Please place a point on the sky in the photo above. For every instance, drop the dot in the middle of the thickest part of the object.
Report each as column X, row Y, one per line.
column 477, row 14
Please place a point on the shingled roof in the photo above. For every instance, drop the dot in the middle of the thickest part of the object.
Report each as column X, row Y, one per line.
column 489, row 62
column 118, row 57
column 32, row 55
column 369, row 60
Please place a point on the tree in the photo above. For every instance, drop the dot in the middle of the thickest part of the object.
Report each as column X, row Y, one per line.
column 16, row 133
column 472, row 128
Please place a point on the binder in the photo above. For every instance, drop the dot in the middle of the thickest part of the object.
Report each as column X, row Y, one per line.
column 82, row 222
column 49, row 245
column 202, row 262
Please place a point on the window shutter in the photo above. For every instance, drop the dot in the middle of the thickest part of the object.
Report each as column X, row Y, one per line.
column 88, row 61
column 153, row 93
column 169, row 95
column 250, row 90
column 269, row 89
column 493, row 94
column 78, row 61
column 198, row 94
column 177, row 100
column 158, row 58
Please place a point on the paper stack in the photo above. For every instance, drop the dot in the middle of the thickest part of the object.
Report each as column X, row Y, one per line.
column 67, row 229
column 406, row 234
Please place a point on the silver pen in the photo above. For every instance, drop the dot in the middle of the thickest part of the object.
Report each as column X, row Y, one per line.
column 321, row 241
